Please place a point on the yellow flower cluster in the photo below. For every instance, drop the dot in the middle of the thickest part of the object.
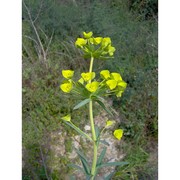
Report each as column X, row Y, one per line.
column 98, row 47
column 67, row 84
column 86, row 77
column 112, row 83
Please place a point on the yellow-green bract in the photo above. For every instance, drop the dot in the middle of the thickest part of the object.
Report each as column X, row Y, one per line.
column 116, row 76
column 67, row 118
column 92, row 87
column 87, row 35
column 66, row 86
column 68, row 74
column 105, row 74
column 88, row 76
column 118, row 133
column 80, row 42
column 109, row 123
column 111, row 84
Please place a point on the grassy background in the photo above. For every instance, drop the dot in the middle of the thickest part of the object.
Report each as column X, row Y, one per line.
column 132, row 26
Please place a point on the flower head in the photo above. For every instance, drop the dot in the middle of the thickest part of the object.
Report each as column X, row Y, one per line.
column 118, row 133
column 96, row 40
column 122, row 84
column 88, row 76
column 87, row 35
column 109, row 123
column 105, row 74
column 68, row 74
column 116, row 76
column 92, row 87
column 81, row 80
column 66, row 86
column 80, row 42
column 67, row 118
column 111, row 50
column 106, row 41
column 119, row 93
column 97, row 47
column 111, row 84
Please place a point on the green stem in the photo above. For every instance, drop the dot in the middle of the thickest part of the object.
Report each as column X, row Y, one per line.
column 93, row 169
column 91, row 64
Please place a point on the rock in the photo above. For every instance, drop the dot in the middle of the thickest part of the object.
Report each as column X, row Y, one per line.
column 113, row 152
column 87, row 128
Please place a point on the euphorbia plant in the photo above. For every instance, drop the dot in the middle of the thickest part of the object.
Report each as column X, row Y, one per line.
column 92, row 88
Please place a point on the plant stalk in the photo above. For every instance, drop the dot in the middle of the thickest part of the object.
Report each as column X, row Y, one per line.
column 91, row 64
column 93, row 169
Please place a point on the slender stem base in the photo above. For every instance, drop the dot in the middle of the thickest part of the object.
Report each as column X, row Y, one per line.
column 93, row 170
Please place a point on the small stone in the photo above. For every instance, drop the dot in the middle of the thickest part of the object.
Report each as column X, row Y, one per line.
column 77, row 138
column 72, row 155
column 76, row 144
column 59, row 133
column 87, row 128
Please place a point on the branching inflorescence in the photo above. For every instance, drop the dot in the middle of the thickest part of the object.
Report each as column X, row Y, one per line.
column 92, row 87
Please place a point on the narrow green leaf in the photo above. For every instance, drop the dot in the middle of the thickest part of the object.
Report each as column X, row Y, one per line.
column 100, row 98
column 78, row 130
column 97, row 131
column 84, row 162
column 88, row 177
column 76, row 167
column 104, row 142
column 104, row 107
column 112, row 164
column 81, row 154
column 85, row 166
column 82, row 103
column 95, row 97
column 99, row 161
column 109, row 177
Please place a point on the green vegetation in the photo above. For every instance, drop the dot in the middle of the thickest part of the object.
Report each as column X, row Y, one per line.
column 132, row 26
